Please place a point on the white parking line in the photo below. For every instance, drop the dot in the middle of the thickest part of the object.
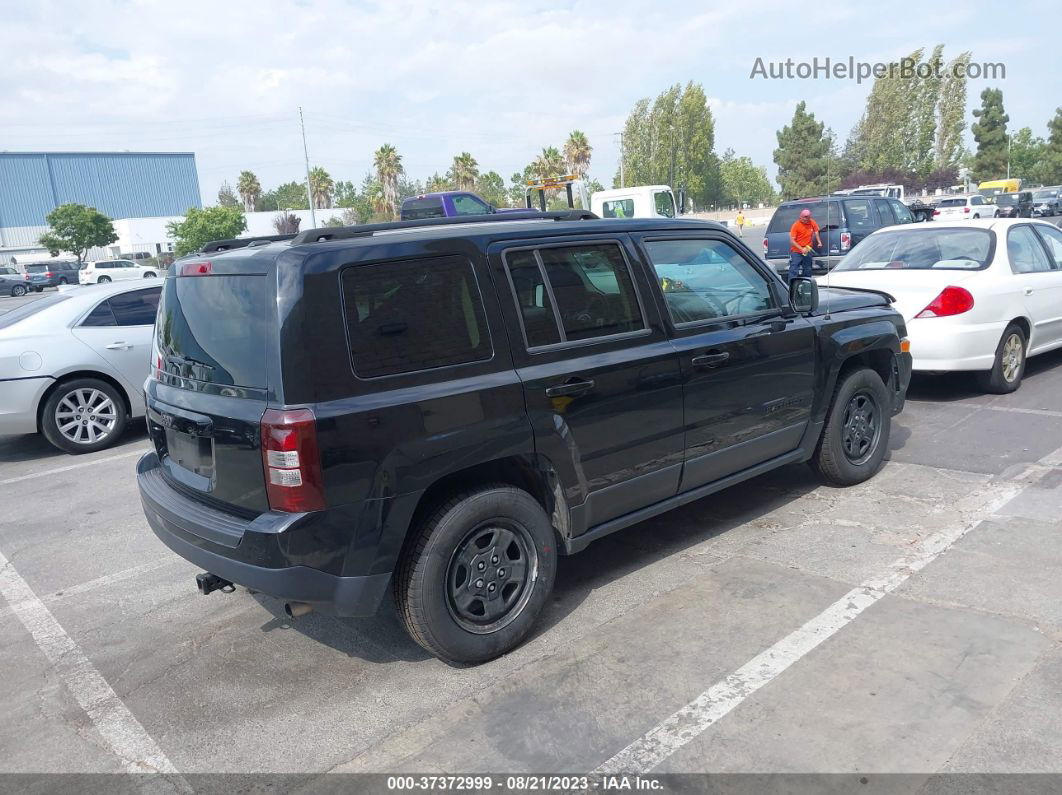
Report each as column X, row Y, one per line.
column 687, row 723
column 122, row 732
column 69, row 467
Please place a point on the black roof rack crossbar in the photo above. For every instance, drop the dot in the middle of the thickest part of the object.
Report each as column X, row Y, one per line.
column 364, row 230
column 241, row 242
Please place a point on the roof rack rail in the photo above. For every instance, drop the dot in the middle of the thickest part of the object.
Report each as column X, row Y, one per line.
column 327, row 233
column 241, row 242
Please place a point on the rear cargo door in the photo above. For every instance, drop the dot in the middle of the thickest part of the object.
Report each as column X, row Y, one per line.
column 214, row 335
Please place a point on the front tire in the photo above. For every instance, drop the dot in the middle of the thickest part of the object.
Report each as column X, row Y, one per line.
column 83, row 416
column 476, row 574
column 19, row 290
column 856, row 436
column 1009, row 366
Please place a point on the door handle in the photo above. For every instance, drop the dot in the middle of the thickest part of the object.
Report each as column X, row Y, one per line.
column 570, row 388
column 710, row 359
column 1028, row 290
column 119, row 346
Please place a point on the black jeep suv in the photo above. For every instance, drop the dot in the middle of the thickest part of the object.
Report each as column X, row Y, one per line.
column 445, row 406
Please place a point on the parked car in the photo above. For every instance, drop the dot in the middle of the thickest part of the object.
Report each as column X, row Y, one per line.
column 443, row 409
column 843, row 222
column 1047, row 202
column 979, row 296
column 12, row 282
column 448, row 204
column 113, row 270
column 73, row 364
column 50, row 274
column 964, row 208
column 639, row 201
column 1014, row 205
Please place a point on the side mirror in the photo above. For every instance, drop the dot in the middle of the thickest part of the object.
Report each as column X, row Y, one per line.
column 804, row 294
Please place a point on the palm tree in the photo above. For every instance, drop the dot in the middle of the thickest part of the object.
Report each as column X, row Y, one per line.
column 388, row 165
column 464, row 171
column 249, row 189
column 437, row 184
column 549, row 163
column 577, row 152
column 321, row 188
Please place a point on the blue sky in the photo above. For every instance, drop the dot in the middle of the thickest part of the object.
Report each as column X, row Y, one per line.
column 499, row 79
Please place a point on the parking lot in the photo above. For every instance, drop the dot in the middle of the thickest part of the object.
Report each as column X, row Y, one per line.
column 911, row 625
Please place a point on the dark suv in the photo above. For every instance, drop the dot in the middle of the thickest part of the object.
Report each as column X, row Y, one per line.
column 843, row 222
column 443, row 407
column 50, row 274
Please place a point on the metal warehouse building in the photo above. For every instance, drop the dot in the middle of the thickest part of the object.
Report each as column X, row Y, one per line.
column 118, row 184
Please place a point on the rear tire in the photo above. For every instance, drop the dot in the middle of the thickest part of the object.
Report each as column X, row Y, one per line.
column 150, row 275
column 83, row 416
column 856, row 436
column 1009, row 366
column 63, row 280
column 103, row 280
column 476, row 574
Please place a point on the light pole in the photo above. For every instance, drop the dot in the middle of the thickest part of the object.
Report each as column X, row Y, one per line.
column 1008, row 155
column 306, row 154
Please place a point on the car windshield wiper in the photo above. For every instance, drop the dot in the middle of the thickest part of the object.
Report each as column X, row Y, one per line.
column 178, row 359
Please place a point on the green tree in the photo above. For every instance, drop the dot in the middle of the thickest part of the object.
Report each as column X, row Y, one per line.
column 463, row 172
column 1050, row 168
column 288, row 196
column 518, row 185
column 345, row 193
column 951, row 114
column 437, row 184
column 804, row 155
column 249, row 188
column 388, row 164
column 321, row 188
column 491, row 188
column 226, row 196
column 199, row 227
column 1026, row 154
column 549, row 164
column 577, row 152
column 744, row 182
column 77, row 228
column 990, row 133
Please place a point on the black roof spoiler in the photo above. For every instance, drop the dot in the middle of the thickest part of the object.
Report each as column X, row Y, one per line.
column 241, row 242
column 365, row 230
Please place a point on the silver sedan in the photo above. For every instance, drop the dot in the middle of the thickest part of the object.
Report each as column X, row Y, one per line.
column 73, row 363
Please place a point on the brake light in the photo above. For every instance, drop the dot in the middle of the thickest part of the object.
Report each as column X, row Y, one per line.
column 846, row 241
column 951, row 301
column 48, row 274
column 936, row 212
column 196, row 268
column 966, row 209
column 765, row 247
column 291, row 460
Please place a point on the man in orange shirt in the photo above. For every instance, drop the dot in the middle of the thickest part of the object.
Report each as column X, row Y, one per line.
column 801, row 233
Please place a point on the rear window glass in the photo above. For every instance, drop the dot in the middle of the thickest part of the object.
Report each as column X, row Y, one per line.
column 414, row 315
column 37, row 268
column 416, row 209
column 951, row 203
column 212, row 328
column 825, row 216
column 945, row 249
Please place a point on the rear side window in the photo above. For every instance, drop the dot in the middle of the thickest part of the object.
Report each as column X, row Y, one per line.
column 860, row 214
column 579, row 293
column 415, row 209
column 1053, row 238
column 414, row 315
column 826, row 214
column 137, row 308
column 1025, row 251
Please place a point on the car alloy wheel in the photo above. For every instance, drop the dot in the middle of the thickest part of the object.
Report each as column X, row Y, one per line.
column 85, row 416
column 861, row 428
column 103, row 280
column 488, row 579
column 1013, row 353
column 150, row 275
column 19, row 290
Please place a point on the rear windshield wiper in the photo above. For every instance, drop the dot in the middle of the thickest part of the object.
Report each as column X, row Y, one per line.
column 178, row 359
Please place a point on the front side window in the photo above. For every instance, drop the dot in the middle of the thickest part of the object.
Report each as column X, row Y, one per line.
column 902, row 213
column 414, row 315
column 1025, row 251
column 583, row 292
column 470, row 205
column 705, row 280
column 664, row 203
column 618, row 208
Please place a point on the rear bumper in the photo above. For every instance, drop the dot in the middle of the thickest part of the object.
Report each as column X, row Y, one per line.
column 19, row 398
column 947, row 344
column 221, row 544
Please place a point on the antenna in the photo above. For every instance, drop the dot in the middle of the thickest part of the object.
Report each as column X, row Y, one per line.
column 829, row 270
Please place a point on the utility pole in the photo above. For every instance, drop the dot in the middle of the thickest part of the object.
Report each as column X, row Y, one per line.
column 623, row 182
column 1008, row 156
column 306, row 154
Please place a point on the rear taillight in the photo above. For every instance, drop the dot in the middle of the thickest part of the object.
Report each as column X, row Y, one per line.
column 48, row 274
column 951, row 301
column 765, row 247
column 292, row 462
column 196, row 268
column 966, row 209
column 936, row 212
column 846, row 241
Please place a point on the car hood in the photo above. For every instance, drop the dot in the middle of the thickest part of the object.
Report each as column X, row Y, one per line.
column 838, row 299
column 912, row 290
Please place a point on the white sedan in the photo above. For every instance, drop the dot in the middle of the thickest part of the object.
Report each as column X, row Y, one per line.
column 73, row 363
column 114, row 270
column 980, row 295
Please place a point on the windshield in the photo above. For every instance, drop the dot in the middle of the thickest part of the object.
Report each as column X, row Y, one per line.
column 25, row 310
column 944, row 249
column 1044, row 195
column 826, row 217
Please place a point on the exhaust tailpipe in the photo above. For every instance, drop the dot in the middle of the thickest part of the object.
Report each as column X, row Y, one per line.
column 296, row 609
